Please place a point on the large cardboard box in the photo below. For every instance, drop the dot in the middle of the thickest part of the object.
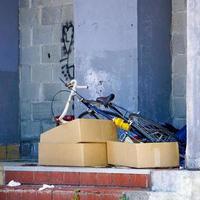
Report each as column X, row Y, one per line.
column 81, row 130
column 81, row 154
column 143, row 155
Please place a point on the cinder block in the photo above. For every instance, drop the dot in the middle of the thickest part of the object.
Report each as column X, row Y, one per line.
column 178, row 44
column 25, row 73
column 41, row 73
column 30, row 55
column 42, row 34
column 41, row 111
column 179, row 107
column 50, row 89
column 24, row 3
column 179, row 64
column 25, row 110
column 58, row 107
column 47, row 125
column 67, row 13
column 179, row 86
column 30, row 129
column 29, row 150
column 56, row 72
column 29, row 17
column 36, row 3
column 178, row 5
column 30, row 91
column 51, row 54
column 25, row 37
column 51, row 15
column 57, row 33
column 179, row 22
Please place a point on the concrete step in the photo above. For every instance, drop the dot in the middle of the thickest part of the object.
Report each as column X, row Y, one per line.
column 149, row 195
column 78, row 176
column 30, row 192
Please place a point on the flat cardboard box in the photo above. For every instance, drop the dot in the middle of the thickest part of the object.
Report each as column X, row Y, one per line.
column 12, row 152
column 2, row 152
column 81, row 130
column 143, row 155
column 81, row 154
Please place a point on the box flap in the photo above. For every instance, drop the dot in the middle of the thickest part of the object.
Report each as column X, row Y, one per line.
column 81, row 130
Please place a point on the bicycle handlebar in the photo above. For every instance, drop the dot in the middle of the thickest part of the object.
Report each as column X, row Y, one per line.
column 82, row 87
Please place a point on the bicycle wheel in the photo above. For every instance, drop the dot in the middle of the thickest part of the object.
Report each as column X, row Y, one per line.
column 88, row 115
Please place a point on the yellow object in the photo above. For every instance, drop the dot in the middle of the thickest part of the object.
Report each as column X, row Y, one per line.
column 121, row 124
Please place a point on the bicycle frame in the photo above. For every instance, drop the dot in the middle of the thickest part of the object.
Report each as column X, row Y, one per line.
column 137, row 125
column 120, row 111
column 74, row 87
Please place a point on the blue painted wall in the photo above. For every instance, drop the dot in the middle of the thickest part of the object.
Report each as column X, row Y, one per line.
column 9, row 77
column 154, row 59
column 106, row 49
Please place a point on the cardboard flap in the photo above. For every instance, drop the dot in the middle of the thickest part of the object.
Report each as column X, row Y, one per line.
column 81, row 130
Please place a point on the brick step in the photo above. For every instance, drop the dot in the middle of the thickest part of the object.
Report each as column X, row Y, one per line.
column 79, row 178
column 31, row 192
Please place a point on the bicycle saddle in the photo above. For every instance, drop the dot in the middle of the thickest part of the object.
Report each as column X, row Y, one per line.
column 105, row 100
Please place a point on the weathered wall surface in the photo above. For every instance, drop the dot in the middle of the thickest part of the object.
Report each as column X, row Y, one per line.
column 106, row 49
column 9, row 81
column 193, row 84
column 179, row 62
column 40, row 24
column 154, row 59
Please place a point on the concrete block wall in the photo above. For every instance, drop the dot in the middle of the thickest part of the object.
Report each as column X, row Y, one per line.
column 179, row 62
column 40, row 25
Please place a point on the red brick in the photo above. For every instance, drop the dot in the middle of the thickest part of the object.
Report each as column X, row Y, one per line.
column 13, row 195
column 71, row 178
column 141, row 180
column 3, row 195
column 120, row 180
column 22, row 177
column 56, row 178
column 87, row 178
column 28, row 195
column 90, row 196
column 103, row 179
column 62, row 195
column 110, row 196
column 9, row 176
column 44, row 195
column 41, row 177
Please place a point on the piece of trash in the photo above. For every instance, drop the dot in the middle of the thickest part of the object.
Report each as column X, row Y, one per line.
column 45, row 186
column 13, row 184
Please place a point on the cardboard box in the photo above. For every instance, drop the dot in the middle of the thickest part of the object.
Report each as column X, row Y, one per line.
column 81, row 154
column 143, row 155
column 81, row 130
column 2, row 152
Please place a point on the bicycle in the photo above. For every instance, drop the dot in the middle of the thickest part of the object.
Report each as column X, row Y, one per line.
column 133, row 126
